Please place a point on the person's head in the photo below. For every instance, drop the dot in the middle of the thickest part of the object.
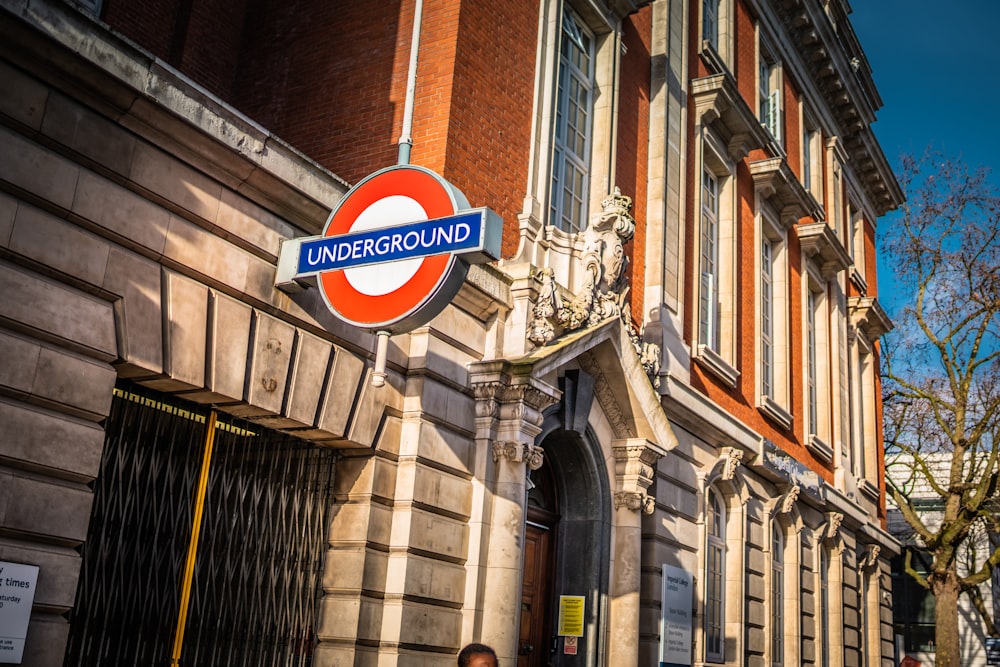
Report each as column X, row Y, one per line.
column 477, row 655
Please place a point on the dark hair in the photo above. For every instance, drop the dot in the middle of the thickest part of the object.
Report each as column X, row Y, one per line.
column 465, row 655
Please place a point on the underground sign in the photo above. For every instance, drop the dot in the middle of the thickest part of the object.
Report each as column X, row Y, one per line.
column 395, row 250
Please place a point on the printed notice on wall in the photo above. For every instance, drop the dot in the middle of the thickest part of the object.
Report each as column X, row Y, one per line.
column 675, row 625
column 571, row 615
column 17, row 592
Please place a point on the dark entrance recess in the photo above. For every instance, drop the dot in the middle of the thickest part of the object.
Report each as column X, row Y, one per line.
column 535, row 641
column 258, row 501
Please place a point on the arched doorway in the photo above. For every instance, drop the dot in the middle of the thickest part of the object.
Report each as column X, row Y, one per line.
column 567, row 546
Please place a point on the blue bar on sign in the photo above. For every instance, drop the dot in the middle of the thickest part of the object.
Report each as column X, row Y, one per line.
column 452, row 234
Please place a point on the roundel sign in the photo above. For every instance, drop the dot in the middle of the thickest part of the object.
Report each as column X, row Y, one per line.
column 396, row 249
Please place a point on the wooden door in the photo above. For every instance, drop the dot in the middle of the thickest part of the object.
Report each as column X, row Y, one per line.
column 536, row 595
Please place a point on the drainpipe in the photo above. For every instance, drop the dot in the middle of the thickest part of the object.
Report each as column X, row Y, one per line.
column 405, row 145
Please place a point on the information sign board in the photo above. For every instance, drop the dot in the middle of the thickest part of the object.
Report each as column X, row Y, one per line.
column 17, row 593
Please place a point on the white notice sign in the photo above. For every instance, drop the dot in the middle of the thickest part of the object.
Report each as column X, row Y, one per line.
column 675, row 629
column 17, row 592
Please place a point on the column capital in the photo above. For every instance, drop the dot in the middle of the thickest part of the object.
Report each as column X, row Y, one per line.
column 635, row 469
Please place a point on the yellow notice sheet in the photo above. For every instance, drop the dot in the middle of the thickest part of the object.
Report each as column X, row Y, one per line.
column 571, row 615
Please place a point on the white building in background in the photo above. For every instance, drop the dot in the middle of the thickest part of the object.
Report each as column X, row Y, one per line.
column 913, row 605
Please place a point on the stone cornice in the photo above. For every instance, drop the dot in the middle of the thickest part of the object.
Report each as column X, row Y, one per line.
column 868, row 317
column 776, row 182
column 719, row 104
column 820, row 243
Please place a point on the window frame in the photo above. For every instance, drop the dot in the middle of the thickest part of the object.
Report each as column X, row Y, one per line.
column 817, row 322
column 770, row 101
column 714, row 326
column 772, row 345
column 716, row 516
column 565, row 156
column 777, row 634
column 812, row 155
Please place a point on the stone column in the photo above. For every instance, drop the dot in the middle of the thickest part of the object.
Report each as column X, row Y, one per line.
column 635, row 461
column 508, row 418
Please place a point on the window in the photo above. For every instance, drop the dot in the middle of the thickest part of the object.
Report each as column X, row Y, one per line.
column 766, row 316
column 769, row 83
column 865, row 450
column 573, row 119
column 824, row 606
column 710, row 22
column 912, row 605
column 812, row 364
column 812, row 156
column 817, row 379
column 715, row 525
column 714, row 278
column 717, row 35
column 772, row 317
column 777, row 596
column 709, row 262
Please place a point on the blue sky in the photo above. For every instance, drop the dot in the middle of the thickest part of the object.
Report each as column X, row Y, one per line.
column 937, row 68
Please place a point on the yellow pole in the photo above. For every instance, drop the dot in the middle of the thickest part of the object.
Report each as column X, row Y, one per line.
column 199, row 505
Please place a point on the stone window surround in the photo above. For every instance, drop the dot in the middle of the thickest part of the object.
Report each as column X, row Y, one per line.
column 542, row 243
column 819, row 436
column 777, row 404
column 720, row 362
column 718, row 55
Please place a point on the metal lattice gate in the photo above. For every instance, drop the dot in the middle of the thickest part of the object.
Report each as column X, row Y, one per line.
column 259, row 515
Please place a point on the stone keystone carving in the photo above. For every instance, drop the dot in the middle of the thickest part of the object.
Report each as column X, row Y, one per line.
column 605, row 286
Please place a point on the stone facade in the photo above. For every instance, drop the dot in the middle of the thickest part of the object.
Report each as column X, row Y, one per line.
column 569, row 389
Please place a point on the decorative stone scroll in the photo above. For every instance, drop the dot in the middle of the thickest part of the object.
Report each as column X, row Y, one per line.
column 635, row 461
column 605, row 288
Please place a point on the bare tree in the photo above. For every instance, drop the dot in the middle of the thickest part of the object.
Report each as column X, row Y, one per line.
column 941, row 384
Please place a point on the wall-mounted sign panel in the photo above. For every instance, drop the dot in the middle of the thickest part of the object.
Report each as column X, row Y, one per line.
column 676, row 621
column 17, row 593
column 395, row 251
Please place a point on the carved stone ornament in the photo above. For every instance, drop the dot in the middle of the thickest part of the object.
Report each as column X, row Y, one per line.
column 732, row 458
column 788, row 500
column 870, row 557
column 605, row 287
column 517, row 452
column 635, row 501
column 833, row 521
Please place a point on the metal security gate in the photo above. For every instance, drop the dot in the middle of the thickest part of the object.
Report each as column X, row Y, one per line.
column 245, row 590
